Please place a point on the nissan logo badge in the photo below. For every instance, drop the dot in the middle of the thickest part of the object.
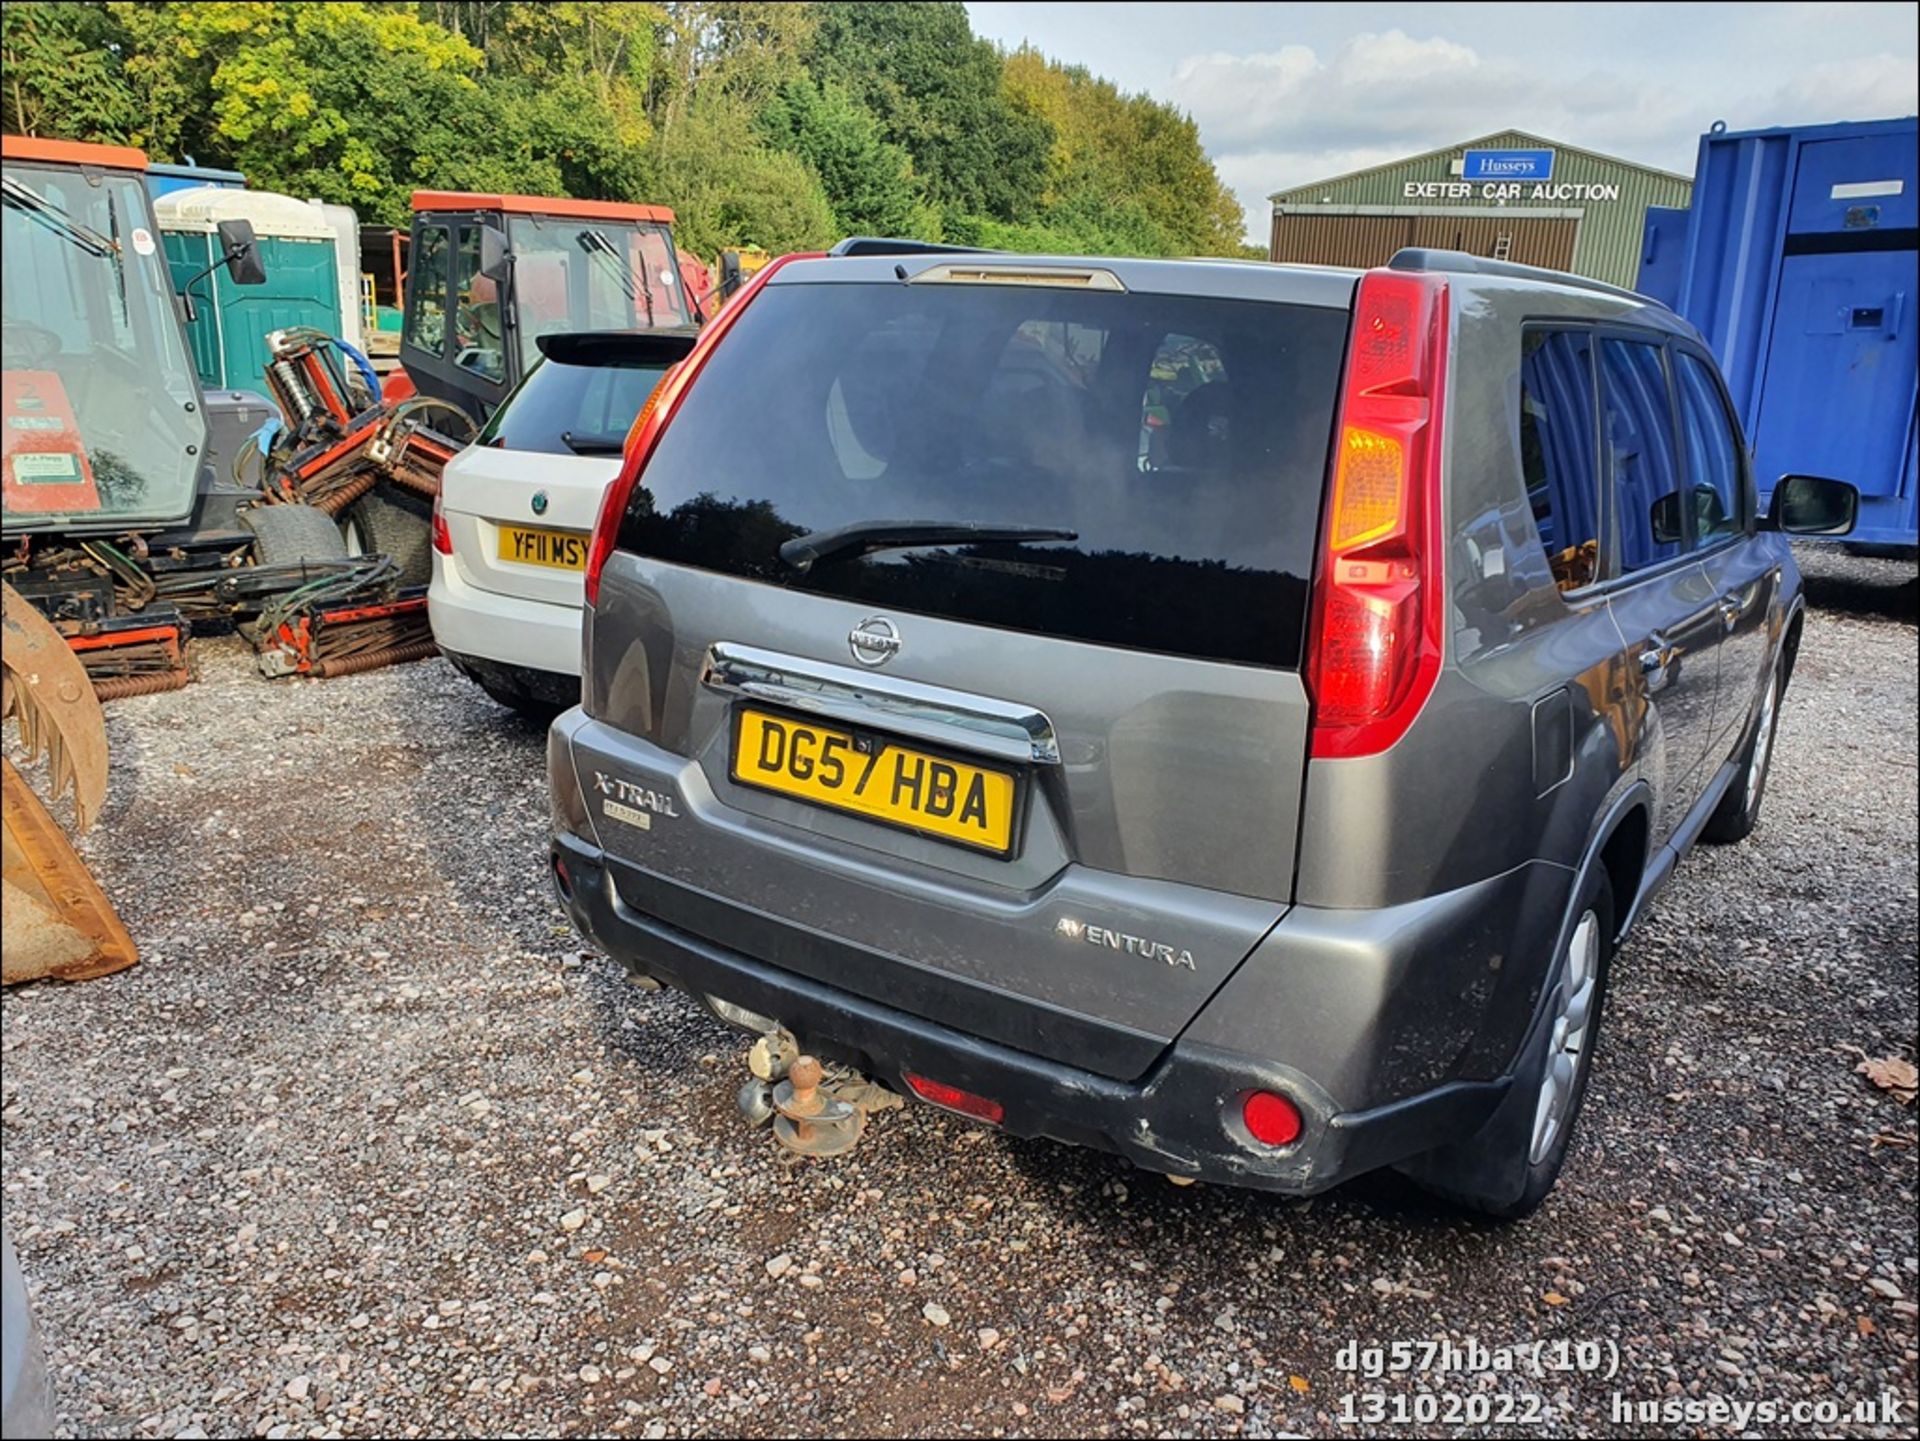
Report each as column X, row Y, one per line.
column 875, row 641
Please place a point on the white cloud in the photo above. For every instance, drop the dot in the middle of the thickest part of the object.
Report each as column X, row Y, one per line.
column 1279, row 118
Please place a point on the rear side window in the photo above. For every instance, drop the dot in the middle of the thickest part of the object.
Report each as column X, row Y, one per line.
column 573, row 409
column 1712, row 448
column 1557, row 438
column 1182, row 440
column 1637, row 417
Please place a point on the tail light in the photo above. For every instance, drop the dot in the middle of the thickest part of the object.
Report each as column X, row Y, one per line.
column 442, row 537
column 654, row 417
column 1379, row 605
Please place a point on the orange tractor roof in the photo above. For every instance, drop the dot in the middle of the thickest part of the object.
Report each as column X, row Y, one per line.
column 71, row 152
column 540, row 205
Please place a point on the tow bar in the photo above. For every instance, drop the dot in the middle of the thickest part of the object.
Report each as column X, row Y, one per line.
column 816, row 1109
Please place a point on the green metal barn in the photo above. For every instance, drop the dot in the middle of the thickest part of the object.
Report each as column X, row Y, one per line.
column 1510, row 195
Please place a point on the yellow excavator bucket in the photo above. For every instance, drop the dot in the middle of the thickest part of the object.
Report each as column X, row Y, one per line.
column 58, row 922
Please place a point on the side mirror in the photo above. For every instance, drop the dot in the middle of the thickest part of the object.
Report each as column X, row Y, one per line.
column 1813, row 505
column 495, row 258
column 1665, row 513
column 241, row 253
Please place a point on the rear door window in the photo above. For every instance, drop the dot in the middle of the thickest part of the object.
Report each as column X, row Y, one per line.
column 1182, row 440
column 563, row 409
column 1715, row 477
column 1557, row 451
column 1637, row 416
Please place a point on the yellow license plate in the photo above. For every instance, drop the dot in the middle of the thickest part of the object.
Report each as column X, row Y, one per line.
column 561, row 549
column 877, row 778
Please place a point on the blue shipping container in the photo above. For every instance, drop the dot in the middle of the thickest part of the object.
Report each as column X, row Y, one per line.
column 1798, row 263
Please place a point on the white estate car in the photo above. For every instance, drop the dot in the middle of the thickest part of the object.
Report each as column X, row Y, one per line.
column 517, row 507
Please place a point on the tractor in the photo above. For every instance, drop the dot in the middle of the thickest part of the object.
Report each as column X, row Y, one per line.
column 487, row 275
column 126, row 512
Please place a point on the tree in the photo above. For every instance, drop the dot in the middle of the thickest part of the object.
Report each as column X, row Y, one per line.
column 727, row 189
column 868, row 181
column 59, row 75
column 1116, row 152
column 937, row 91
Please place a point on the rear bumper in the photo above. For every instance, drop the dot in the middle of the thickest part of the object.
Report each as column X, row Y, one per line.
column 1181, row 1117
column 510, row 631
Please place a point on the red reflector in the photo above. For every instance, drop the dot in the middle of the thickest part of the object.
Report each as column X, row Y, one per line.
column 955, row 1099
column 442, row 537
column 1272, row 1120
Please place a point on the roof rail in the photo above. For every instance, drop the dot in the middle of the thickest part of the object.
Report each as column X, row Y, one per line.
column 1458, row 262
column 879, row 245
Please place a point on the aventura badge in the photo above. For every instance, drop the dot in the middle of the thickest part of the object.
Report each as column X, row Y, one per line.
column 1075, row 930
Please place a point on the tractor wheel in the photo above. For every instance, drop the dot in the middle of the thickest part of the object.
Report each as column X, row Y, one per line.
column 388, row 526
column 290, row 534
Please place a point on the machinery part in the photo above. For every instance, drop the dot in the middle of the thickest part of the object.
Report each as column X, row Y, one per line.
column 134, row 656
column 290, row 534
column 399, row 532
column 810, row 1123
column 302, row 634
column 375, row 659
column 772, row 1055
column 58, row 921
column 128, row 686
column 756, row 1102
column 48, row 695
column 336, row 501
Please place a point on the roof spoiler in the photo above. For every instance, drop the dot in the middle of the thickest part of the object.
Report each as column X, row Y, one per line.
column 611, row 347
column 1458, row 262
column 855, row 245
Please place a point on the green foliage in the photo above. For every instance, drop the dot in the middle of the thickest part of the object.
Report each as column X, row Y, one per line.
column 728, row 189
column 868, row 182
column 937, row 91
column 762, row 122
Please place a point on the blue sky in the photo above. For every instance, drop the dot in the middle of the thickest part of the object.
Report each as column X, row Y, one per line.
column 1286, row 94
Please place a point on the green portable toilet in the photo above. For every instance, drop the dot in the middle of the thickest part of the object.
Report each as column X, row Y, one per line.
column 301, row 251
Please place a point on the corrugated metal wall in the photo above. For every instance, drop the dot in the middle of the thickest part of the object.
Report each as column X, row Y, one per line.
column 1606, row 246
column 1372, row 239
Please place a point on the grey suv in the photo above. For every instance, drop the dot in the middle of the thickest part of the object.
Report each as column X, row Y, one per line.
column 1226, row 714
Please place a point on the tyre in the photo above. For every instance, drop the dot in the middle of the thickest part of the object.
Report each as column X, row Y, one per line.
column 1507, row 1167
column 1739, row 809
column 290, row 534
column 390, row 527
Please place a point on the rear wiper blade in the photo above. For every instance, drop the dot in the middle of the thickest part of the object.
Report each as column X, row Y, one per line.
column 804, row 551
column 592, row 444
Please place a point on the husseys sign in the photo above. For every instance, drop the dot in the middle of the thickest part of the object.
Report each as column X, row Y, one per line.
column 1504, row 175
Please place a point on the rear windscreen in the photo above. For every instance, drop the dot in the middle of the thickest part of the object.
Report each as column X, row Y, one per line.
column 1183, row 441
column 573, row 409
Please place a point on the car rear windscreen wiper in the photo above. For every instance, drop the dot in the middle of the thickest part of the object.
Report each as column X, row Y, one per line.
column 593, row 444
column 864, row 537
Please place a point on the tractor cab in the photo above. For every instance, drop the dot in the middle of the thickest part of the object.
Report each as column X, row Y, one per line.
column 105, row 425
column 487, row 275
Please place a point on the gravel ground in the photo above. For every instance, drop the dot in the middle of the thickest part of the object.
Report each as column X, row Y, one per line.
column 366, row 1145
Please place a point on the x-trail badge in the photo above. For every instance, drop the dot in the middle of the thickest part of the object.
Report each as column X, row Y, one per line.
column 875, row 641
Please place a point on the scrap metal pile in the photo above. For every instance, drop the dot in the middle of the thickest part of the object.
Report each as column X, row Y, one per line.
column 279, row 566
